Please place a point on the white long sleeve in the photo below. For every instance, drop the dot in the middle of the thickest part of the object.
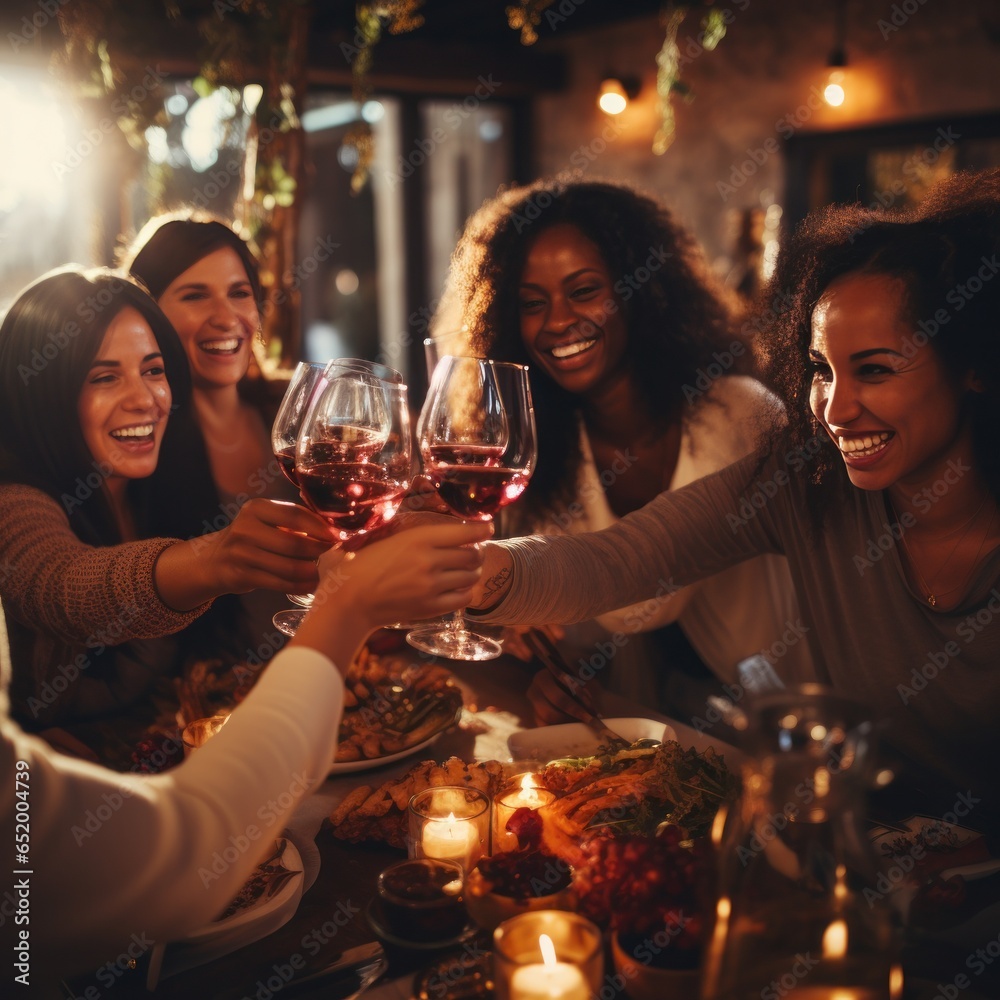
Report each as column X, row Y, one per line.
column 113, row 855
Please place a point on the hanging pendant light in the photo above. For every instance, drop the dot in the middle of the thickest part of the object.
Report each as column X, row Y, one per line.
column 834, row 93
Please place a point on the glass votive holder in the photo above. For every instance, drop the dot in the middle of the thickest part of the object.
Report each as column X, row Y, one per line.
column 450, row 823
column 521, row 792
column 421, row 899
column 547, row 953
column 198, row 732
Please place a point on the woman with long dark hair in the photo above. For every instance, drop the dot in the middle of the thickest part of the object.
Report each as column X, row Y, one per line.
column 100, row 472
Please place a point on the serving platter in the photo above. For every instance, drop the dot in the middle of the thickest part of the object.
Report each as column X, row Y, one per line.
column 393, row 708
column 574, row 739
column 369, row 763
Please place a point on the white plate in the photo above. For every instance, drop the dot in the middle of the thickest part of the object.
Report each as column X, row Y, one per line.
column 244, row 927
column 574, row 739
column 349, row 766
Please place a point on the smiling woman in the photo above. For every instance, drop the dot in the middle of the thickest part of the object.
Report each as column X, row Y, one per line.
column 94, row 391
column 635, row 364
column 893, row 403
column 124, row 403
column 204, row 277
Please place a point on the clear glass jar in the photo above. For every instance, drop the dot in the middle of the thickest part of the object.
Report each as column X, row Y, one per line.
column 797, row 914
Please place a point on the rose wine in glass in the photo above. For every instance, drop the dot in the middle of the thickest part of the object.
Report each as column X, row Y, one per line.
column 478, row 444
column 353, row 458
column 306, row 383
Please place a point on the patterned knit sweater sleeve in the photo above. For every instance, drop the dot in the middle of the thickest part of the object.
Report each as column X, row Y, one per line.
column 52, row 582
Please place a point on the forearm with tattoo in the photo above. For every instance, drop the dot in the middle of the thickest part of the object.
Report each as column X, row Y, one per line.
column 494, row 589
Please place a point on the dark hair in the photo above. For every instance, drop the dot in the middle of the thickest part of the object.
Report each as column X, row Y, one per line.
column 169, row 244
column 933, row 252
column 676, row 319
column 48, row 340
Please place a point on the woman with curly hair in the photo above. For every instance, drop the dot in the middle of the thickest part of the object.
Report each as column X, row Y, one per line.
column 633, row 361
column 882, row 491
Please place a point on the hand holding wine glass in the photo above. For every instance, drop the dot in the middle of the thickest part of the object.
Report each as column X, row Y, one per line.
column 477, row 441
column 307, row 382
column 352, row 458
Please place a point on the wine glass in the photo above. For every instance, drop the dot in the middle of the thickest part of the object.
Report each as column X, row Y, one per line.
column 477, row 441
column 353, row 458
column 373, row 368
column 307, row 381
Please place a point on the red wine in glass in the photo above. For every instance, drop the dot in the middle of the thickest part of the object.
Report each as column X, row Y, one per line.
column 477, row 440
column 351, row 496
column 286, row 461
column 472, row 479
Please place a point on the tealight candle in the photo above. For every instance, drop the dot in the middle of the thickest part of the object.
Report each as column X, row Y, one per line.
column 449, row 839
column 450, row 823
column 547, row 955
column 523, row 794
column 549, row 980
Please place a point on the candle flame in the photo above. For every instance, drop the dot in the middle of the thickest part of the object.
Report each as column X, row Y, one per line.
column 835, row 940
column 529, row 793
column 548, row 950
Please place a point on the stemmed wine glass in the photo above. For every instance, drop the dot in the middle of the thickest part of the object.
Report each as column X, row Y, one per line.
column 353, row 457
column 307, row 381
column 477, row 441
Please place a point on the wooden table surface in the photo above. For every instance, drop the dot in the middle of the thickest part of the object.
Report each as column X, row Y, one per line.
column 331, row 916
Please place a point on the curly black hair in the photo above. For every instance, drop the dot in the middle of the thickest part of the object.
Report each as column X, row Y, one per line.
column 944, row 253
column 676, row 320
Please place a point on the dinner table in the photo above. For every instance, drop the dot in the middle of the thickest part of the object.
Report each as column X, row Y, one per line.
column 339, row 878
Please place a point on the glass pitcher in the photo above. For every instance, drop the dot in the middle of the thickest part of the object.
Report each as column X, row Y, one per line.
column 793, row 918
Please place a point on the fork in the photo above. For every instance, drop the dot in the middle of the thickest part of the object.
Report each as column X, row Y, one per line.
column 546, row 651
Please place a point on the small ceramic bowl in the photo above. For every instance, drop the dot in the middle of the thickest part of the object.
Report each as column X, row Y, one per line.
column 489, row 909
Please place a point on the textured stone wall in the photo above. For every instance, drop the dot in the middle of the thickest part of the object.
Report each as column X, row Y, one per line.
column 906, row 60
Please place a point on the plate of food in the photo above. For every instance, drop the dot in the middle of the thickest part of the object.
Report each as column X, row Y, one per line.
column 574, row 739
column 392, row 708
column 265, row 902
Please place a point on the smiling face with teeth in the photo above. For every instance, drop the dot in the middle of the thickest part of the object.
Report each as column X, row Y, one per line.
column 124, row 402
column 881, row 392
column 212, row 307
column 572, row 320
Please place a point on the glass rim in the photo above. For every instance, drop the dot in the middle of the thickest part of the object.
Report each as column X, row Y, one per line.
column 473, row 794
column 515, row 924
column 487, row 361
column 365, row 366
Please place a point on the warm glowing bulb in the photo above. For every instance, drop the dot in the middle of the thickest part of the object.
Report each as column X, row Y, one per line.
column 835, row 940
column 612, row 100
column 834, row 93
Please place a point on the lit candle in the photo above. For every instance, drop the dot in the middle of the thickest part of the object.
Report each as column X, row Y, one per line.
column 451, row 839
column 525, row 796
column 550, row 979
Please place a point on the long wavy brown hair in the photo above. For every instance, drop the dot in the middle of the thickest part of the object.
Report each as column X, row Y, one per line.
column 675, row 319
